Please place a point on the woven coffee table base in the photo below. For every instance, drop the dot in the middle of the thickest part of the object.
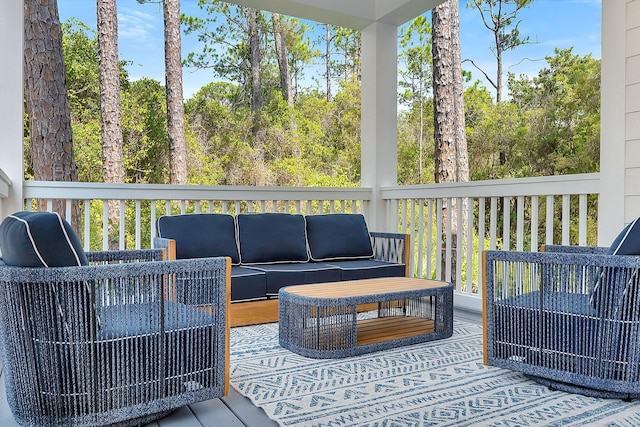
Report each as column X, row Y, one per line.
column 320, row 321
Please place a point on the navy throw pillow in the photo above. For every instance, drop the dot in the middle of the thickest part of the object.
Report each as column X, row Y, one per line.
column 39, row 239
column 338, row 236
column 201, row 235
column 272, row 238
column 626, row 243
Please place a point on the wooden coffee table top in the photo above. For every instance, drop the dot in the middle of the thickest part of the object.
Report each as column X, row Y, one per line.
column 355, row 288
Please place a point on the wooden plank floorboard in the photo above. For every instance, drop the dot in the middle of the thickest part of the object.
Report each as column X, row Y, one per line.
column 250, row 415
column 215, row 413
column 234, row 410
column 182, row 417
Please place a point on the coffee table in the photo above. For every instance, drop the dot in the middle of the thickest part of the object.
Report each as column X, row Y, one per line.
column 321, row 320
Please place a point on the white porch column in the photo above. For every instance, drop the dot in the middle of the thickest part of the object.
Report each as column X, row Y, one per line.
column 11, row 40
column 620, row 119
column 379, row 121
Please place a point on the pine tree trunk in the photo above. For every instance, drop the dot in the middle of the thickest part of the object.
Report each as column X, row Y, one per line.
column 175, row 101
column 499, row 66
column 110, row 113
column 46, row 101
column 254, row 58
column 283, row 63
column 327, row 56
column 451, row 158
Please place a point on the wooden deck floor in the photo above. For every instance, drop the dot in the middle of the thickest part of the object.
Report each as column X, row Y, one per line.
column 234, row 410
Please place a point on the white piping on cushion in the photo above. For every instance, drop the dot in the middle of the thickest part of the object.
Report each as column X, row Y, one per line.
column 64, row 230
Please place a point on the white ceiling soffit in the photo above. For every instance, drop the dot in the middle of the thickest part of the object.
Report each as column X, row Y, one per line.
column 355, row 14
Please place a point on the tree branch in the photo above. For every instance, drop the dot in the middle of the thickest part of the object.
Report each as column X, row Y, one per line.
column 482, row 71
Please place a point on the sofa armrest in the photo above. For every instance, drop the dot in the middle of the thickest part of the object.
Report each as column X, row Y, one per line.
column 392, row 247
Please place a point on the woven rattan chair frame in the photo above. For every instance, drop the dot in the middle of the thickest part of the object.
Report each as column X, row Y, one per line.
column 109, row 343
column 540, row 318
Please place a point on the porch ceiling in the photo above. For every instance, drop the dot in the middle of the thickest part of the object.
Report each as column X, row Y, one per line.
column 355, row 14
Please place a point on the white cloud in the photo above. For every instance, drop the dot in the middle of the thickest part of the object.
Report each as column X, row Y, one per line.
column 143, row 29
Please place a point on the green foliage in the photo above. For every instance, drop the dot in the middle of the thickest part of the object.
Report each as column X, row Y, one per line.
column 549, row 125
column 144, row 128
column 562, row 108
column 416, row 75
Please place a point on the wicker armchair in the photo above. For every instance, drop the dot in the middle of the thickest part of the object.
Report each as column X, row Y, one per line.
column 108, row 343
column 568, row 317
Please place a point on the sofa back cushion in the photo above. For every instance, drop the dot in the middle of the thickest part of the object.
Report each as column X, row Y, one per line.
column 201, row 235
column 602, row 293
column 39, row 239
column 272, row 238
column 338, row 236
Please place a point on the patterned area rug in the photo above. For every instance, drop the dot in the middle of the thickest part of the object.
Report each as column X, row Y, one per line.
column 441, row 383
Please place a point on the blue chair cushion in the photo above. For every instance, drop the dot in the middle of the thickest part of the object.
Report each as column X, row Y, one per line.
column 280, row 275
column 201, row 235
column 272, row 238
column 127, row 320
column 368, row 269
column 40, row 239
column 248, row 284
column 626, row 243
column 338, row 236
column 562, row 325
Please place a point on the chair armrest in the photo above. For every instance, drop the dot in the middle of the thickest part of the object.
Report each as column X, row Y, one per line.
column 575, row 249
column 168, row 245
column 80, row 290
column 139, row 255
column 510, row 274
column 392, row 247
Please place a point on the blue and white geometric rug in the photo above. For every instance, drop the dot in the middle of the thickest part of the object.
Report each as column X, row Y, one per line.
column 440, row 383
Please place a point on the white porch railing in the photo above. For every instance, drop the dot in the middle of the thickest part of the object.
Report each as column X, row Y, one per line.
column 514, row 214
column 517, row 214
column 141, row 204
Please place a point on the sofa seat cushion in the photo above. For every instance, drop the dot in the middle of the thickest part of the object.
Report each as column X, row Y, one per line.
column 272, row 238
column 338, row 237
column 281, row 275
column 368, row 269
column 40, row 239
column 248, row 284
column 201, row 235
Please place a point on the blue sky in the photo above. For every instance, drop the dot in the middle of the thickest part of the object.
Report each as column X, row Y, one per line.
column 552, row 23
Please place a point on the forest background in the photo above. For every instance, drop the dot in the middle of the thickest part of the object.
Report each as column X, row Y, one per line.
column 546, row 124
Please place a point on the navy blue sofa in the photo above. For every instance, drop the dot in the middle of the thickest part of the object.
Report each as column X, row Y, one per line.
column 271, row 250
